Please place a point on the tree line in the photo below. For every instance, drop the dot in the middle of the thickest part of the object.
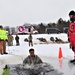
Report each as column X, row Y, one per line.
column 42, row 27
column 60, row 25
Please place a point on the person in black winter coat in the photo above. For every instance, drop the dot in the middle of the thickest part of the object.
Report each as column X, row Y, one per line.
column 17, row 40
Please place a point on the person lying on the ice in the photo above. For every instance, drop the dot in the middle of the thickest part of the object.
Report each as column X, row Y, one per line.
column 32, row 58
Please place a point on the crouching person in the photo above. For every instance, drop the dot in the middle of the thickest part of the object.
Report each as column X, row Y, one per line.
column 32, row 58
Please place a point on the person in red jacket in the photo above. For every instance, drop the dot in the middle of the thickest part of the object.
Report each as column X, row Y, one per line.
column 71, row 32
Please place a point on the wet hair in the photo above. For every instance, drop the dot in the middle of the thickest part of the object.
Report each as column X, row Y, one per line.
column 31, row 49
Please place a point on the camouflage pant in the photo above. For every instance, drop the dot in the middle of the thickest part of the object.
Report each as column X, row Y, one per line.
column 30, row 43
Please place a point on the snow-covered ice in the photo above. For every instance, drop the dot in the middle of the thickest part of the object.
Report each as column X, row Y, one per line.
column 47, row 51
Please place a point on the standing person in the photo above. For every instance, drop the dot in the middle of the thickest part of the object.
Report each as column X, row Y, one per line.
column 71, row 32
column 3, row 39
column 30, row 40
column 10, row 40
column 17, row 40
column 32, row 58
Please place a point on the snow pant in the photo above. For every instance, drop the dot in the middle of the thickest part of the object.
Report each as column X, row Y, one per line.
column 1, row 46
column 30, row 43
column 72, row 41
column 17, row 42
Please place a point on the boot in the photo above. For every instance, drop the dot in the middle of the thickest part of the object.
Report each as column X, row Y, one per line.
column 72, row 61
column 5, row 53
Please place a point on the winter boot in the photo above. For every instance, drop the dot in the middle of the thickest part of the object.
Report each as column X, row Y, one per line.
column 72, row 61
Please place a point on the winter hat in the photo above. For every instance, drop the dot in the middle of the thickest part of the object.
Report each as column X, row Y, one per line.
column 72, row 13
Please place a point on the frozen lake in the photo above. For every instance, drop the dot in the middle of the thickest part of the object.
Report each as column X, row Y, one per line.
column 62, row 65
column 47, row 52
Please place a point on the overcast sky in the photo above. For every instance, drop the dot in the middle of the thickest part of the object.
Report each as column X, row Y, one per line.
column 18, row 12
